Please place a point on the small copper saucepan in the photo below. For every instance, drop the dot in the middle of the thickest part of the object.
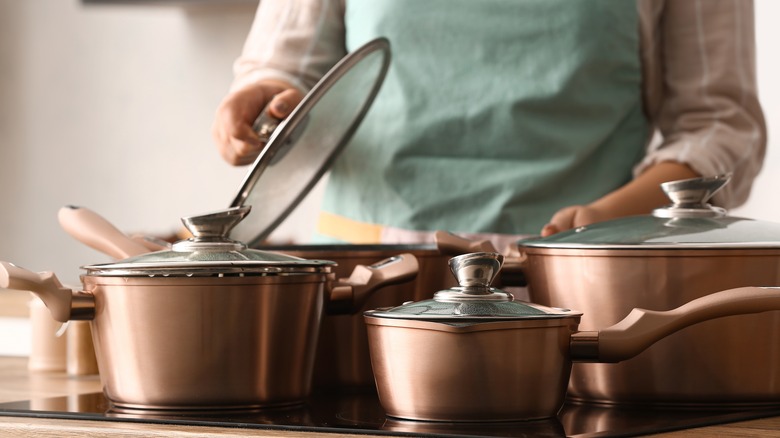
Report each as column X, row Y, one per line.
column 473, row 354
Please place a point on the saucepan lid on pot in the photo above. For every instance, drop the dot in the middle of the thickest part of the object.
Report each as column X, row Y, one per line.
column 209, row 252
column 690, row 222
column 302, row 147
column 473, row 300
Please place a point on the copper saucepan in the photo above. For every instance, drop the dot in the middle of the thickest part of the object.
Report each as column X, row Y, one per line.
column 473, row 354
column 678, row 254
column 208, row 324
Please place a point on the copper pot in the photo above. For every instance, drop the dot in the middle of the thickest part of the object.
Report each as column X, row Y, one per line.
column 680, row 253
column 342, row 350
column 208, row 324
column 472, row 353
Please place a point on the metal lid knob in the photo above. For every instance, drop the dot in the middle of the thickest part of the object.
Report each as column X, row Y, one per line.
column 474, row 272
column 689, row 197
column 477, row 269
column 210, row 230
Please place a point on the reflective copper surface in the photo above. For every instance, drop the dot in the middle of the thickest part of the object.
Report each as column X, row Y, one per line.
column 206, row 342
column 730, row 361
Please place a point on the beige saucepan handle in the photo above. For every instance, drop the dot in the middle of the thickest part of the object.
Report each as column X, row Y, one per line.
column 642, row 328
column 63, row 303
column 90, row 228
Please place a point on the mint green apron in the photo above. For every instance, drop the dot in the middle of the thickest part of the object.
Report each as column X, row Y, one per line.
column 494, row 114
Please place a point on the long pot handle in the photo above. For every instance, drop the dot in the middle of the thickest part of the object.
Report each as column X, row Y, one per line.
column 63, row 303
column 90, row 228
column 349, row 296
column 642, row 328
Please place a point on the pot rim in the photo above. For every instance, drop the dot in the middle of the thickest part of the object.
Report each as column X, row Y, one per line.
column 468, row 325
column 209, row 269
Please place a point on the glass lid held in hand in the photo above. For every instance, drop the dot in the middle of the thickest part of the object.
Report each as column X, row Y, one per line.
column 473, row 299
column 210, row 252
column 301, row 148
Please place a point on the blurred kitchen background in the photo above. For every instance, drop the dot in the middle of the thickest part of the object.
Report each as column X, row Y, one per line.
column 109, row 106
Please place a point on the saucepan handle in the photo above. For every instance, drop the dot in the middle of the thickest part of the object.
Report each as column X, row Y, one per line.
column 90, row 228
column 348, row 296
column 449, row 243
column 62, row 302
column 642, row 328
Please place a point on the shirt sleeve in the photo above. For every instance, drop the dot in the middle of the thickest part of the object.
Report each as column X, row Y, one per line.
column 699, row 69
column 296, row 41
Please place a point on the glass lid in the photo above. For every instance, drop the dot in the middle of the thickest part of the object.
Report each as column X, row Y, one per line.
column 688, row 222
column 304, row 145
column 473, row 299
column 210, row 252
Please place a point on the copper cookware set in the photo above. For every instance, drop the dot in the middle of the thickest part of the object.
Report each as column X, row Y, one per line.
column 213, row 323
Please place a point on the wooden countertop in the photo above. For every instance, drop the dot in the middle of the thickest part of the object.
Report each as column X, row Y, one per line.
column 17, row 384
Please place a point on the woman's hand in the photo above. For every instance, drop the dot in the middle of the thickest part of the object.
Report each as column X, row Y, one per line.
column 573, row 217
column 232, row 130
column 639, row 196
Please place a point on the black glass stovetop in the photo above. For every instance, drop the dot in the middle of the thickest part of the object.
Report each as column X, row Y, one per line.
column 359, row 412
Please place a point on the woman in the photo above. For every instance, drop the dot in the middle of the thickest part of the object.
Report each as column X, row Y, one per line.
column 506, row 118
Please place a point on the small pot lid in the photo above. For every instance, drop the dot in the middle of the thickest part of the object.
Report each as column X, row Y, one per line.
column 209, row 252
column 473, row 300
column 302, row 147
column 688, row 223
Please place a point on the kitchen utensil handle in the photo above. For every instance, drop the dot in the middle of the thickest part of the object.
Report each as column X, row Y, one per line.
column 642, row 328
column 92, row 229
column 449, row 243
column 63, row 304
column 349, row 295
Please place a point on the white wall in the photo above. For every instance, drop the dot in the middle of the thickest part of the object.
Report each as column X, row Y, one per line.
column 764, row 202
column 110, row 107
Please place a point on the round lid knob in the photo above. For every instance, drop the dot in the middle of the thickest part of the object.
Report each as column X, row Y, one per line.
column 210, row 230
column 689, row 197
column 476, row 270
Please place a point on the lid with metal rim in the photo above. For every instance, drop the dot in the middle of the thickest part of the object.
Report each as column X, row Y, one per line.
column 301, row 148
column 210, row 253
column 688, row 223
column 473, row 300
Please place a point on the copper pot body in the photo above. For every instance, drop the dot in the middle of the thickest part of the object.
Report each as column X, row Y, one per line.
column 733, row 361
column 342, row 350
column 500, row 371
column 206, row 343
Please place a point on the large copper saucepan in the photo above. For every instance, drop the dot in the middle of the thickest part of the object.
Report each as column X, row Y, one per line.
column 473, row 354
column 661, row 261
column 208, row 324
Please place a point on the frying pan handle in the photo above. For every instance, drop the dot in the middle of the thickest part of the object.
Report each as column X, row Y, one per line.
column 642, row 328
column 90, row 228
column 63, row 303
column 349, row 296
